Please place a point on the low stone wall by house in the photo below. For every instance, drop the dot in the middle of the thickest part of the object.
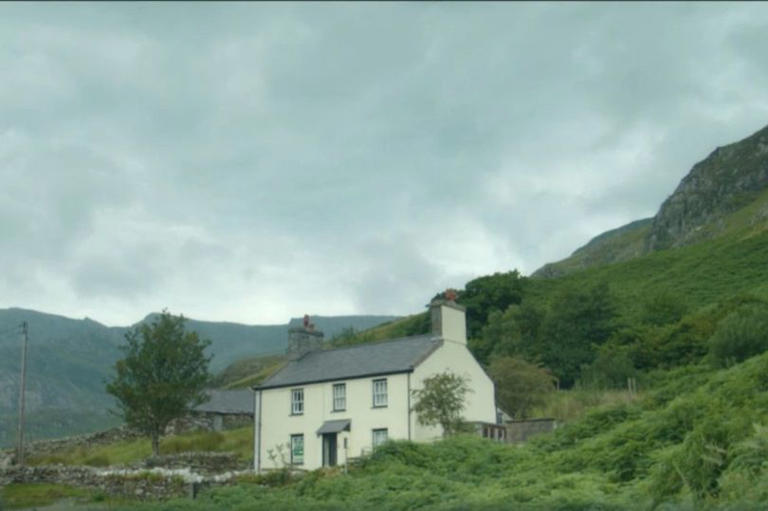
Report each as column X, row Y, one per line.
column 206, row 463
column 139, row 485
column 521, row 430
column 150, row 484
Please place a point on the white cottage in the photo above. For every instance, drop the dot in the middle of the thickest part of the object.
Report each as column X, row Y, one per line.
column 330, row 405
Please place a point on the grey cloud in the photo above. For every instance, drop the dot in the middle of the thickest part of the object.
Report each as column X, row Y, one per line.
column 251, row 145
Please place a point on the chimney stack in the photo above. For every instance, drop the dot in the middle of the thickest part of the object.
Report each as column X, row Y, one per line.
column 303, row 339
column 449, row 319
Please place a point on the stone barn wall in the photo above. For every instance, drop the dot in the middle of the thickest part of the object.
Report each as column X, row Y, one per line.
column 521, row 430
column 206, row 421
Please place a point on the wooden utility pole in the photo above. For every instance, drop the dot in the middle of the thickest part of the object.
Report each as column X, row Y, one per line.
column 22, row 388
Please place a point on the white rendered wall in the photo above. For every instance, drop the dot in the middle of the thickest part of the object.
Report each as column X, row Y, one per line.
column 278, row 424
column 456, row 358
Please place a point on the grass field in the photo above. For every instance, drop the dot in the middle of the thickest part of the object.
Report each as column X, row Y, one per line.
column 239, row 441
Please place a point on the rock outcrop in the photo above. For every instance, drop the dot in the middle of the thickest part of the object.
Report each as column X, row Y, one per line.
column 730, row 179
column 727, row 180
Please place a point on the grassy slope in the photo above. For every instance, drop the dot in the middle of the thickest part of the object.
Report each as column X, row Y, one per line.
column 703, row 274
column 33, row 495
column 236, row 440
column 619, row 244
column 697, row 441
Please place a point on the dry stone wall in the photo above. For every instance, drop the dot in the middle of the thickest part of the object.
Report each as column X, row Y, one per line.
column 156, row 483
column 522, row 430
column 39, row 447
column 208, row 422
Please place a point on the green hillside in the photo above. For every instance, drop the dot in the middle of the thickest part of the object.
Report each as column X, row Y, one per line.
column 620, row 244
column 660, row 308
column 697, row 440
column 69, row 359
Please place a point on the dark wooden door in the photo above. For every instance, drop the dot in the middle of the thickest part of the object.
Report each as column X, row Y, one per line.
column 329, row 449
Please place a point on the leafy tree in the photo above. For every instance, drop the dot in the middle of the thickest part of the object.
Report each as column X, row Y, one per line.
column 512, row 333
column 483, row 295
column 578, row 320
column 161, row 377
column 441, row 401
column 520, row 385
column 664, row 308
column 611, row 368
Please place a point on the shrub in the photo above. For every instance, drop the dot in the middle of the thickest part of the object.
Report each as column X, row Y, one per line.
column 740, row 335
column 520, row 385
column 611, row 369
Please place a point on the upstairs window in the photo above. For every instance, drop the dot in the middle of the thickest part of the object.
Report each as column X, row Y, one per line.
column 297, row 401
column 339, row 397
column 380, row 393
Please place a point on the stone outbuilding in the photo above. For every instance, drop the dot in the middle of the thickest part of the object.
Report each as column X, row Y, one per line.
column 225, row 409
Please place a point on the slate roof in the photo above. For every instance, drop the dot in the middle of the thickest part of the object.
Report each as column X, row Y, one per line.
column 228, row 401
column 385, row 357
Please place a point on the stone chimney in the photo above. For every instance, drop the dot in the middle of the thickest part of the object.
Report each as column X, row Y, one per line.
column 449, row 319
column 303, row 339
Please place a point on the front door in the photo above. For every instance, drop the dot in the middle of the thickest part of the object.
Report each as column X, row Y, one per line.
column 329, row 449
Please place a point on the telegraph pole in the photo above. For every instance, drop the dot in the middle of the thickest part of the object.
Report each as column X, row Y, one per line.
column 22, row 388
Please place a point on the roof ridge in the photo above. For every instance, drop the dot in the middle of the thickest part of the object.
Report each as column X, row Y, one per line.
column 381, row 341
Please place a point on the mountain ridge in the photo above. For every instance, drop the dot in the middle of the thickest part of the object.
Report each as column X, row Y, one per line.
column 729, row 179
column 69, row 359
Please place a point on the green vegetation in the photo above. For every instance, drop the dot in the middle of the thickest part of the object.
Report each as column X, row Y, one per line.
column 162, row 377
column 621, row 244
column 239, row 441
column 415, row 324
column 248, row 372
column 440, row 402
column 697, row 440
column 520, row 385
column 24, row 496
column 688, row 325
column 603, row 325
column 741, row 334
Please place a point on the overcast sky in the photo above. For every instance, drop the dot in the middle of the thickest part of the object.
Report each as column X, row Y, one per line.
column 251, row 162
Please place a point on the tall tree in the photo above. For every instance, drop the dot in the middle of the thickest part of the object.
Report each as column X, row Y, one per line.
column 161, row 377
column 440, row 401
column 520, row 385
column 512, row 333
column 494, row 292
column 579, row 320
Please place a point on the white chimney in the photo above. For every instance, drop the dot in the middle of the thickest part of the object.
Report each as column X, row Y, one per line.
column 449, row 320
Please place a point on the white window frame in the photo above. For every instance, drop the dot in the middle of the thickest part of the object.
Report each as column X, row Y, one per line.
column 376, row 439
column 339, row 396
column 379, row 389
column 297, row 401
column 297, row 460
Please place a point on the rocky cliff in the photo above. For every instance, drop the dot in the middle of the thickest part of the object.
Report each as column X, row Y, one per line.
column 724, row 192
column 727, row 180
